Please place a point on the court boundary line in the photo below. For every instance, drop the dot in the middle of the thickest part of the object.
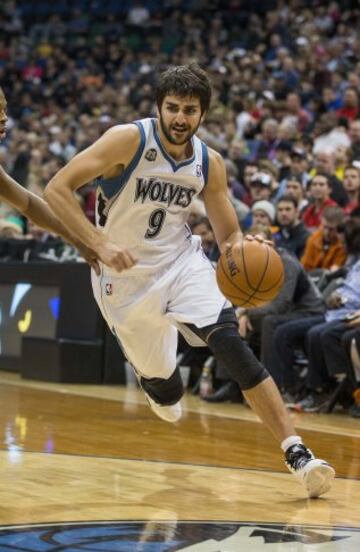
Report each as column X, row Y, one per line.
column 190, row 521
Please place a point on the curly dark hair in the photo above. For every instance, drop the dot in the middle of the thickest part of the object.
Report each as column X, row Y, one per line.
column 184, row 80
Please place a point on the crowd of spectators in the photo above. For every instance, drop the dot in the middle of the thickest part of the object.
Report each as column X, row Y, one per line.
column 285, row 112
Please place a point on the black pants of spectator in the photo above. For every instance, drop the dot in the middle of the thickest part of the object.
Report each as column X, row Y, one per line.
column 286, row 338
column 336, row 343
column 324, row 363
column 270, row 355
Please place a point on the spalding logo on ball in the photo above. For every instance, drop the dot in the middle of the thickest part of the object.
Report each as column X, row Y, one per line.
column 250, row 275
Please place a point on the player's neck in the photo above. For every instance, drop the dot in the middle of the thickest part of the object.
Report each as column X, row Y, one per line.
column 178, row 153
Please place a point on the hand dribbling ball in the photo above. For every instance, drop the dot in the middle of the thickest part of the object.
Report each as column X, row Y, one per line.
column 251, row 274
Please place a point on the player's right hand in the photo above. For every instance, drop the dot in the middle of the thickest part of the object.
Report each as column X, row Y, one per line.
column 116, row 257
column 259, row 238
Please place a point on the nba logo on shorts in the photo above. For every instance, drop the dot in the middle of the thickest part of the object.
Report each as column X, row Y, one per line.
column 198, row 170
column 108, row 289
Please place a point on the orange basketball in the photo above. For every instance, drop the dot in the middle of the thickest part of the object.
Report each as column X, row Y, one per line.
column 251, row 275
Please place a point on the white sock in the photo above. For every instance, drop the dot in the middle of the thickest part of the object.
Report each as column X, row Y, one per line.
column 290, row 441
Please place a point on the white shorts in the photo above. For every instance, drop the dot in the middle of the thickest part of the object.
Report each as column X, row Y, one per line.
column 146, row 312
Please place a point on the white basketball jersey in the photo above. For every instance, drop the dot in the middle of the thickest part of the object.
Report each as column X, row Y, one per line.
column 146, row 208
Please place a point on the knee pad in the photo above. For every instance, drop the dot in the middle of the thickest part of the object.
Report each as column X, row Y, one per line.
column 231, row 351
column 236, row 357
column 164, row 391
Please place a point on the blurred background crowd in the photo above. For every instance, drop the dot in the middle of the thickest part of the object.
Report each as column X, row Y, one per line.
column 285, row 115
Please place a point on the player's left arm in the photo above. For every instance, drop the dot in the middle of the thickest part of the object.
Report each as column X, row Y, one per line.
column 39, row 212
column 220, row 211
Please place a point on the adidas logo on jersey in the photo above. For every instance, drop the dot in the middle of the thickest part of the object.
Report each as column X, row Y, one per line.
column 151, row 154
column 154, row 189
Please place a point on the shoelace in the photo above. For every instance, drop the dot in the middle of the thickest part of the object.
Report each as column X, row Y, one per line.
column 297, row 456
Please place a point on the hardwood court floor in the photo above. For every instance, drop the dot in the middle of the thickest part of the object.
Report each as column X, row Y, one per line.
column 76, row 453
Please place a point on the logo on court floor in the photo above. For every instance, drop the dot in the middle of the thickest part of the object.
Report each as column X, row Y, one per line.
column 108, row 289
column 151, row 154
column 179, row 536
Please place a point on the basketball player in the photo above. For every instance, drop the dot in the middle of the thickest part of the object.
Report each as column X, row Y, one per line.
column 32, row 206
column 154, row 278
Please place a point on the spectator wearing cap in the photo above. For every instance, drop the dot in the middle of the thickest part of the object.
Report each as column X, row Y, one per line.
column 352, row 188
column 295, row 188
column 325, row 248
column 298, row 169
column 263, row 213
column 292, row 233
column 268, row 167
column 319, row 198
column 260, row 186
column 260, row 189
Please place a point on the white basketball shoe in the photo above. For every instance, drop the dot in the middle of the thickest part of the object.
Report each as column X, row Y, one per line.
column 317, row 475
column 169, row 413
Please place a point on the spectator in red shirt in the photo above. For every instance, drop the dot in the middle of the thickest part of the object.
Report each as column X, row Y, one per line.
column 352, row 188
column 350, row 109
column 319, row 197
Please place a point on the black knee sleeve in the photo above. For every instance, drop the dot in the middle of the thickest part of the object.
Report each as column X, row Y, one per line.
column 231, row 351
column 164, row 391
column 237, row 358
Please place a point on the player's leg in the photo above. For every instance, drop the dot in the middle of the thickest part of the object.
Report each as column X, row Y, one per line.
column 152, row 353
column 195, row 299
column 264, row 398
column 148, row 341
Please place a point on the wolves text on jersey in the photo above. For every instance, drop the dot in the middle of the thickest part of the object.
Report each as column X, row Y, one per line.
column 154, row 189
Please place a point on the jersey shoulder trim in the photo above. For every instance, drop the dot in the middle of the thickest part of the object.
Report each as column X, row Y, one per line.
column 112, row 186
column 205, row 162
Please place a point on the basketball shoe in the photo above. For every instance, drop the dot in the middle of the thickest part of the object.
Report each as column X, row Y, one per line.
column 168, row 413
column 315, row 474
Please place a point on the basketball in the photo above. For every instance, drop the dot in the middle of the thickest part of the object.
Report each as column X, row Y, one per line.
column 251, row 275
